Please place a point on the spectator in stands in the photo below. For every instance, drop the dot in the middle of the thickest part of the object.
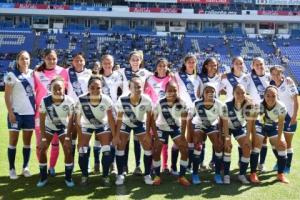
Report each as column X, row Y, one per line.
column 20, row 104
column 43, row 76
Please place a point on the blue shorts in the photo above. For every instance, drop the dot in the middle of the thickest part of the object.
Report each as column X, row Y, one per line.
column 238, row 133
column 58, row 132
column 266, row 130
column 206, row 130
column 23, row 122
column 136, row 130
column 287, row 127
column 164, row 135
column 90, row 131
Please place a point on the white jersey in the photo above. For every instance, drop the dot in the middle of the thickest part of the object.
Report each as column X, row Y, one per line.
column 175, row 111
column 216, row 81
column 213, row 113
column 63, row 111
column 142, row 73
column 255, row 91
column 99, row 111
column 19, row 97
column 269, row 117
column 81, row 85
column 111, row 84
column 139, row 110
column 239, row 116
column 183, row 87
column 227, row 86
column 286, row 92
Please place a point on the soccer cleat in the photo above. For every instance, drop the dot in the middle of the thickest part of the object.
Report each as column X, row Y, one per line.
column 243, row 179
column 203, row 167
column 137, row 171
column 12, row 174
column 97, row 168
column 84, row 180
column 106, row 181
column 26, row 172
column 195, row 179
column 287, row 170
column 125, row 171
column 183, row 181
column 227, row 179
column 70, row 183
column 189, row 170
column 51, row 171
column 254, row 178
column 218, row 179
column 42, row 183
column 261, row 168
column 166, row 171
column 275, row 167
column 148, row 180
column 281, row 177
column 174, row 173
column 120, row 180
column 156, row 180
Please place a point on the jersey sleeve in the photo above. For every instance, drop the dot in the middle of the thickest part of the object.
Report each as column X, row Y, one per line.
column 292, row 89
column 119, row 106
column 223, row 110
column 43, row 107
column 10, row 79
column 282, row 110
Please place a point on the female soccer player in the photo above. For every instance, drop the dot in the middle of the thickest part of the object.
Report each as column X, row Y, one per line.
column 135, row 68
column 94, row 115
column 155, row 87
column 270, row 123
column 205, row 118
column 239, row 113
column 134, row 114
column 56, row 118
column 287, row 93
column 188, row 82
column 43, row 75
column 20, row 104
column 170, row 115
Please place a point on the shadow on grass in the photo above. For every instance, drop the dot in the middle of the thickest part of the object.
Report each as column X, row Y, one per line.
column 134, row 188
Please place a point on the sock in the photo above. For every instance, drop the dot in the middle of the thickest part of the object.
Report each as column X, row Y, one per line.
column 183, row 165
column 43, row 171
column 147, row 161
column 244, row 165
column 218, row 162
column 106, row 159
column 164, row 154
column 11, row 153
column 96, row 149
column 263, row 154
column 213, row 156
column 202, row 155
column 126, row 155
column 83, row 161
column 240, row 153
column 156, row 165
column 73, row 148
column 26, row 155
column 191, row 154
column 275, row 151
column 137, row 152
column 226, row 162
column 54, row 151
column 68, row 171
column 290, row 153
column 196, row 160
column 113, row 153
column 254, row 159
column 281, row 161
column 120, row 159
column 174, row 157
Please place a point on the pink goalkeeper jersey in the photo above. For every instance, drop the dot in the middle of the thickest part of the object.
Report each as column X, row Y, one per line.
column 42, row 82
column 155, row 87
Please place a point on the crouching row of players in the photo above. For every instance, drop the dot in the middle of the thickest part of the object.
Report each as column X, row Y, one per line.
column 93, row 113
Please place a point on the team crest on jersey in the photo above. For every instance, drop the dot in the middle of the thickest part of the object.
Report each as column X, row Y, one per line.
column 76, row 85
column 105, row 90
column 65, row 108
column 142, row 108
column 189, row 86
column 102, row 108
column 142, row 73
column 178, row 107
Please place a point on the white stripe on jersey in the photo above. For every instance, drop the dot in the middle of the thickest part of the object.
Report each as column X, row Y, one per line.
column 83, row 79
column 20, row 102
column 161, row 122
column 63, row 111
column 252, row 90
column 99, row 111
column 182, row 90
column 139, row 110
column 111, row 85
column 286, row 92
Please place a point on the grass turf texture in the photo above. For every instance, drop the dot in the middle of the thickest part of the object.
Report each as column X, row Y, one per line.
column 134, row 188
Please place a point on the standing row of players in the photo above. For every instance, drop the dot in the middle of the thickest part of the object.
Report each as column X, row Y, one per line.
column 186, row 107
